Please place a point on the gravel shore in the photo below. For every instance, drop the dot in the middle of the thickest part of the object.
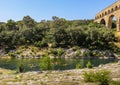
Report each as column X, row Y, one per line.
column 67, row 77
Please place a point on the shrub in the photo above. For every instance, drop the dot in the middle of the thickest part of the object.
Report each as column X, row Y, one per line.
column 75, row 48
column 45, row 63
column 89, row 65
column 41, row 44
column 115, row 82
column 102, row 77
column 57, row 52
column 54, row 52
column 60, row 51
column 78, row 53
column 88, row 77
column 78, row 65
column 12, row 54
column 34, row 50
column 21, row 68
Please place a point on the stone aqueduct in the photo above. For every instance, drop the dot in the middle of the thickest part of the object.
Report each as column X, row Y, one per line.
column 106, row 16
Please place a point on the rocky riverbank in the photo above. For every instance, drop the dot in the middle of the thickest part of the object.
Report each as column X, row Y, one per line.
column 67, row 53
column 67, row 77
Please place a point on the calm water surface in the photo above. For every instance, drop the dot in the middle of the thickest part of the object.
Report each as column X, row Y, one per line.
column 33, row 64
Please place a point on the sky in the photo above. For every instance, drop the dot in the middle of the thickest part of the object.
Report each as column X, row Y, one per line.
column 45, row 9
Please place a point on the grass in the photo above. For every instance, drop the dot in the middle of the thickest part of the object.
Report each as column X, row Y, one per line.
column 115, row 82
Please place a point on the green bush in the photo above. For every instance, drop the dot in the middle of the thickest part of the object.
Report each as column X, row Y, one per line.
column 41, row 44
column 21, row 68
column 88, row 76
column 45, row 63
column 78, row 54
column 12, row 54
column 79, row 65
column 57, row 52
column 102, row 77
column 54, row 52
column 34, row 50
column 89, row 65
column 60, row 51
column 115, row 82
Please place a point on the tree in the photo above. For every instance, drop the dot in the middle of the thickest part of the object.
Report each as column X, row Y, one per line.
column 60, row 37
column 11, row 25
column 28, row 22
column 59, row 22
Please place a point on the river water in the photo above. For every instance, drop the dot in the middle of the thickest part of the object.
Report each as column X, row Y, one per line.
column 65, row 64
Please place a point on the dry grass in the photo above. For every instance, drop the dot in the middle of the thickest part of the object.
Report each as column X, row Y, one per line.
column 6, row 71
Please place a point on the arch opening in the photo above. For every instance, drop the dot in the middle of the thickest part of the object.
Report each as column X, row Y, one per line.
column 116, row 7
column 112, row 22
column 103, row 22
column 105, row 13
column 108, row 11
column 112, row 10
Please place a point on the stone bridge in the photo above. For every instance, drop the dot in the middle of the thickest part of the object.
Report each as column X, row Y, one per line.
column 106, row 15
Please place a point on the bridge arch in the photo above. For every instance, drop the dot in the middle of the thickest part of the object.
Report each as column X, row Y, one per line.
column 112, row 9
column 105, row 13
column 112, row 21
column 108, row 11
column 103, row 22
column 109, row 15
column 116, row 7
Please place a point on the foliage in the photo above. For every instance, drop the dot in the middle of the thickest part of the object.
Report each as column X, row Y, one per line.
column 89, row 65
column 21, row 67
column 11, row 25
column 41, row 44
column 61, row 37
column 78, row 53
column 28, row 22
column 79, row 65
column 57, row 52
column 60, row 51
column 12, row 54
column 59, row 32
column 102, row 76
column 115, row 82
column 34, row 49
column 45, row 63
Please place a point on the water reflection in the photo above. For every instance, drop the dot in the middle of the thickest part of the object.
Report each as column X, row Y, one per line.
column 58, row 64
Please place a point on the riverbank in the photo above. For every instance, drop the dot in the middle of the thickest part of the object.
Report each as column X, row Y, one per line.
column 32, row 52
column 66, row 77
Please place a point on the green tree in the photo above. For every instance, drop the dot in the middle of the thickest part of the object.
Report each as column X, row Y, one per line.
column 11, row 25
column 28, row 22
column 59, row 22
column 61, row 37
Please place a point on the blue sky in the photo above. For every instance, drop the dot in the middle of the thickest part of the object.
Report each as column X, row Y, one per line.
column 45, row 9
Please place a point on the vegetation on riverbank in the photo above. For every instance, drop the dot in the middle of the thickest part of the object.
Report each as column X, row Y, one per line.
column 54, row 39
column 47, row 36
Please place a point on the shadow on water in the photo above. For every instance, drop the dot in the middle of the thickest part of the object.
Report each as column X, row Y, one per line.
column 64, row 64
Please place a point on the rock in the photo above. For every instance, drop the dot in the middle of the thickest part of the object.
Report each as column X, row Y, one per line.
column 100, row 65
column 118, row 62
